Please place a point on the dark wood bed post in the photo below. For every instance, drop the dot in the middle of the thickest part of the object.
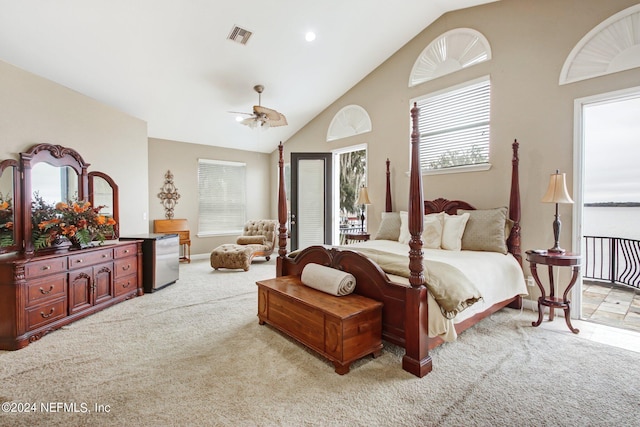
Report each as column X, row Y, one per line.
column 282, row 214
column 416, row 359
column 514, row 205
column 388, row 207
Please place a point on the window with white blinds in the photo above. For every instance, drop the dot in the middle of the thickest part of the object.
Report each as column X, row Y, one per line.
column 454, row 126
column 221, row 197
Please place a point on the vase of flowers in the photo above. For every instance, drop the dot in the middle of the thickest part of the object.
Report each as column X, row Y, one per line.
column 76, row 221
column 6, row 221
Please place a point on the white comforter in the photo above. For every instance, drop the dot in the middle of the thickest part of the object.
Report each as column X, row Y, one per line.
column 497, row 276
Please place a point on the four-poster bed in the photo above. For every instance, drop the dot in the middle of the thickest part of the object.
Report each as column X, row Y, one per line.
column 405, row 313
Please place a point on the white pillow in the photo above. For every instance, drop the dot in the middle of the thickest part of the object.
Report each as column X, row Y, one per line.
column 405, row 236
column 432, row 230
column 453, row 230
column 432, row 234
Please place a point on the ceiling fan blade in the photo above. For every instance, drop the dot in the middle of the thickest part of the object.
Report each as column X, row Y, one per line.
column 249, row 121
column 275, row 118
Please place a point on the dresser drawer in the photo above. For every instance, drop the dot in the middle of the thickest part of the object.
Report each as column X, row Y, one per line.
column 89, row 258
column 125, row 285
column 44, row 267
column 46, row 289
column 125, row 267
column 126, row 251
column 46, row 313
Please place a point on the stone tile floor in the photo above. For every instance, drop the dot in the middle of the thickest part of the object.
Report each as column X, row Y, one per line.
column 612, row 305
column 610, row 315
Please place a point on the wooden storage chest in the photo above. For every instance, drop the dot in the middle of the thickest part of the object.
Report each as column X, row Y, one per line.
column 342, row 329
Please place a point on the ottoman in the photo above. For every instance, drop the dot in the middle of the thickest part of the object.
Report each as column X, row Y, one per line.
column 231, row 256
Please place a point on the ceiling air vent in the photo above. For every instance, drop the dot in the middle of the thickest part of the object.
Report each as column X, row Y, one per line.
column 239, row 35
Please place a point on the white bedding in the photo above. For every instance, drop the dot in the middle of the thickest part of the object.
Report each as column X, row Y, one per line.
column 497, row 276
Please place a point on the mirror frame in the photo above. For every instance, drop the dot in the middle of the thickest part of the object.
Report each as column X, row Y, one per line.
column 17, row 205
column 114, row 199
column 55, row 155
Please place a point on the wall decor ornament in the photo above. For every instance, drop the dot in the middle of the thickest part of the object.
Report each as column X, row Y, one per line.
column 169, row 195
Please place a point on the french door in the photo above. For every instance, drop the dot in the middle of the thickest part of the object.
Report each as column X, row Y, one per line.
column 311, row 199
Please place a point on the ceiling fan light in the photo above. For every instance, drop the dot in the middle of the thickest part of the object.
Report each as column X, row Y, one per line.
column 263, row 118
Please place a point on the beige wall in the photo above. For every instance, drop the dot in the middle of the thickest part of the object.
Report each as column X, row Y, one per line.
column 182, row 160
column 35, row 110
column 530, row 41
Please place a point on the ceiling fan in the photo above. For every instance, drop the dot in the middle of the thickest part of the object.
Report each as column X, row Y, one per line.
column 262, row 116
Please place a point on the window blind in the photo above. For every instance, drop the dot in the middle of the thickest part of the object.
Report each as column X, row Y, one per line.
column 221, row 197
column 454, row 126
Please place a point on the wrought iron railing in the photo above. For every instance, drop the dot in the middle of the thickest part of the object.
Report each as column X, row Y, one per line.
column 349, row 225
column 612, row 259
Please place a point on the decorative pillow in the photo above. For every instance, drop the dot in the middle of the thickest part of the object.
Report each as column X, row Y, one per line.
column 432, row 234
column 251, row 240
column 389, row 228
column 405, row 236
column 431, row 231
column 485, row 230
column 453, row 230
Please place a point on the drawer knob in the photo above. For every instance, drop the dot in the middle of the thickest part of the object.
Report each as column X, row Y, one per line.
column 45, row 316
column 126, row 251
column 46, row 267
column 79, row 261
column 43, row 292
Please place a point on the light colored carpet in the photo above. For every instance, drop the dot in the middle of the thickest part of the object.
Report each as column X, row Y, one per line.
column 194, row 354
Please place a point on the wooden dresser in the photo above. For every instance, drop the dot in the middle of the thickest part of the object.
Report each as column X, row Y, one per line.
column 343, row 329
column 41, row 293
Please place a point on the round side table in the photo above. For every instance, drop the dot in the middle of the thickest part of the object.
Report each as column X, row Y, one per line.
column 552, row 301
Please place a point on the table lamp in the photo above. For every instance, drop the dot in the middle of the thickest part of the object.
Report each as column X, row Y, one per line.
column 363, row 199
column 557, row 193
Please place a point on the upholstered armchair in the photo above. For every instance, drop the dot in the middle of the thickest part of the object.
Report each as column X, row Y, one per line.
column 260, row 235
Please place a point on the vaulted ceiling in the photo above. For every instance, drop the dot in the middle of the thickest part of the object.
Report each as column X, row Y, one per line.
column 171, row 63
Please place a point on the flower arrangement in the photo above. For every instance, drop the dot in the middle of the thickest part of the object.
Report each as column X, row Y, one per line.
column 76, row 221
column 6, row 221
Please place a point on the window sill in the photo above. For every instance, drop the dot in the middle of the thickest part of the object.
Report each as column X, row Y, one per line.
column 220, row 233
column 456, row 169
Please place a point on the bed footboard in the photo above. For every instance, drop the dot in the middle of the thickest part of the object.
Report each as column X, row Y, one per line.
column 371, row 282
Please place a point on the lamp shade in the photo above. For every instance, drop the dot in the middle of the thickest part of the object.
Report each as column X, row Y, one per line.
column 557, row 190
column 363, row 197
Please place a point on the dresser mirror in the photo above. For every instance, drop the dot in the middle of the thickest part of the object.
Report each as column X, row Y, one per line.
column 10, row 207
column 103, row 191
column 54, row 184
column 51, row 173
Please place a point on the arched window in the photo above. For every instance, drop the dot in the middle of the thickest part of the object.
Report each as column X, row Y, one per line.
column 452, row 51
column 350, row 120
column 612, row 46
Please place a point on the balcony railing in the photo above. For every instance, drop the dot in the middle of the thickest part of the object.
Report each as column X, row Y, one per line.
column 349, row 225
column 612, row 259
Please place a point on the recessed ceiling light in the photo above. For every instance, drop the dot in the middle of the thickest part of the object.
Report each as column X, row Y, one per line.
column 310, row 36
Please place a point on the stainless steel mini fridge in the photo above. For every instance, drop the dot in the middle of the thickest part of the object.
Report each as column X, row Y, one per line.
column 160, row 259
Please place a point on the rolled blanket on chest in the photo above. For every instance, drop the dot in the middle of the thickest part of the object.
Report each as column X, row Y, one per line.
column 329, row 280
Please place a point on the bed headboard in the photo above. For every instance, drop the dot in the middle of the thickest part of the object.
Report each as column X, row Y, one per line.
column 443, row 205
column 451, row 206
